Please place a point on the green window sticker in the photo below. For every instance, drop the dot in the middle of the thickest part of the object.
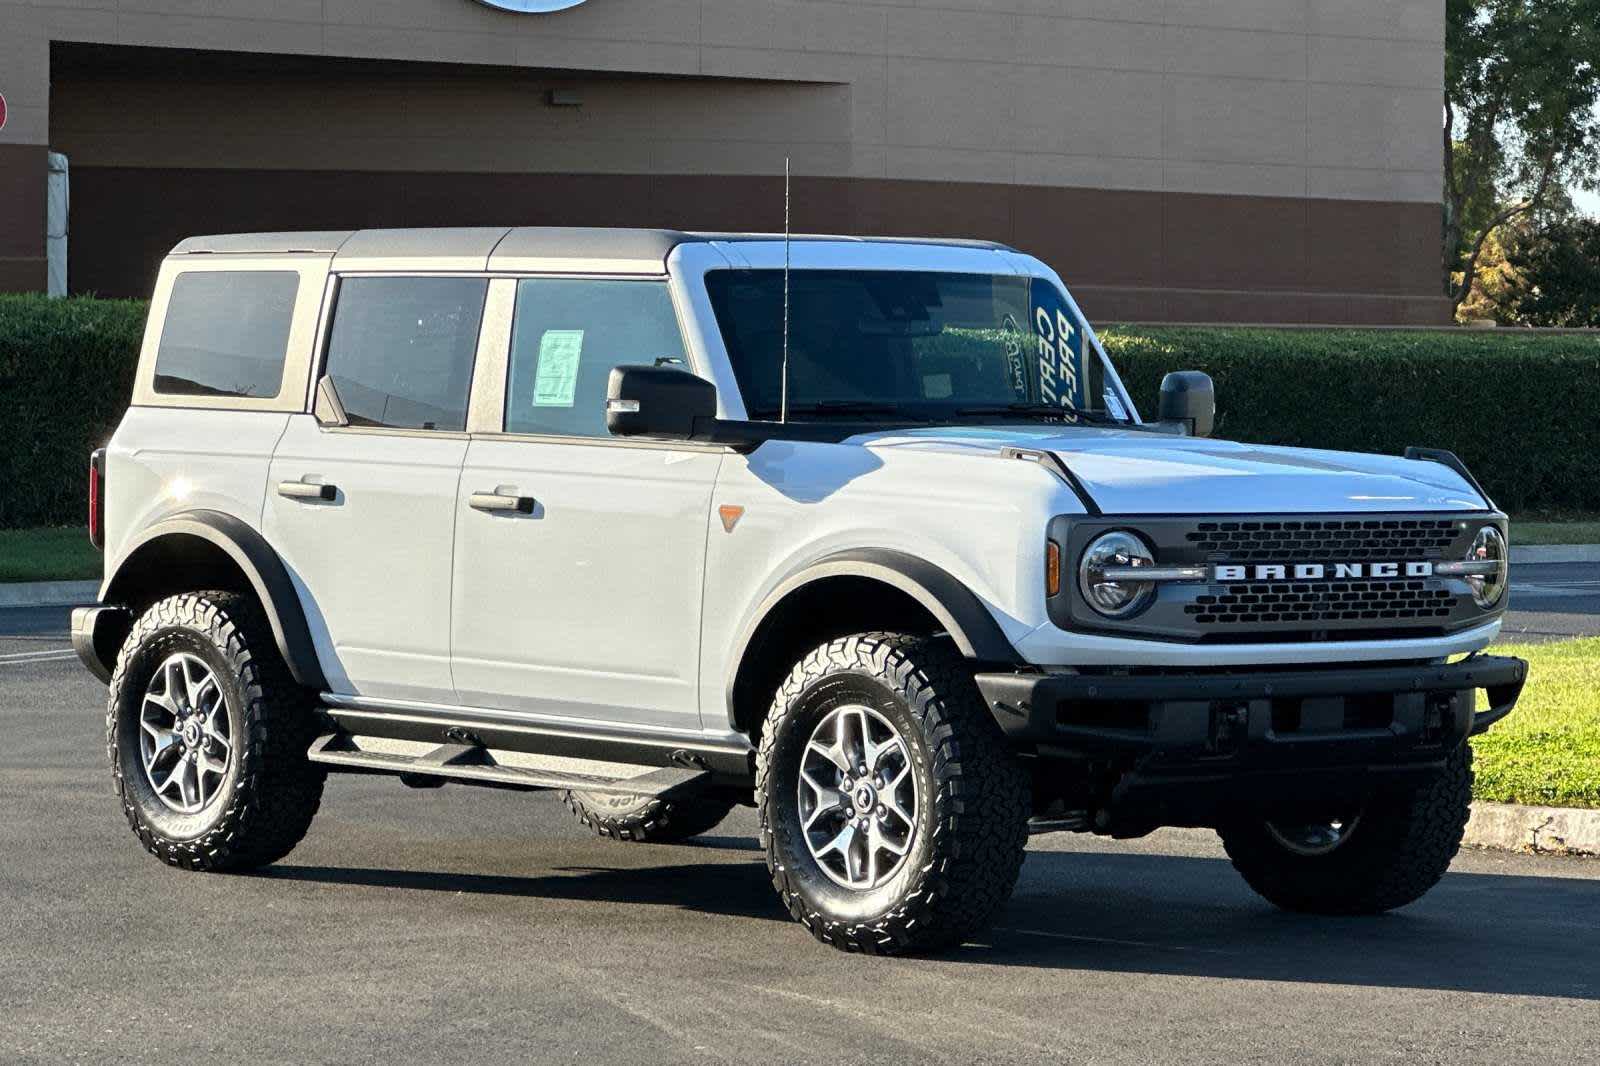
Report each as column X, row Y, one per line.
column 556, row 380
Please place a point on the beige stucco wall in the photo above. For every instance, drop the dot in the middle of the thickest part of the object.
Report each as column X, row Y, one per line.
column 1315, row 98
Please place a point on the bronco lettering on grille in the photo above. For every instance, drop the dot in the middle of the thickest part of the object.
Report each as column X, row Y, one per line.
column 1319, row 571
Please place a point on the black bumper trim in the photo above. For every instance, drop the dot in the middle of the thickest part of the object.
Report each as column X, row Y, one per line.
column 1180, row 707
column 97, row 636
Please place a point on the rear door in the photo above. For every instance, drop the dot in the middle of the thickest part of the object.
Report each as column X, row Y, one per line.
column 579, row 556
column 364, row 515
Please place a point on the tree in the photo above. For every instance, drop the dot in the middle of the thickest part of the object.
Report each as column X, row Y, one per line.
column 1521, row 81
column 1490, row 297
column 1554, row 277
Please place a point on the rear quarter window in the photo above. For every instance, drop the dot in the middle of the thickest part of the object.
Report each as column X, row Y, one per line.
column 226, row 333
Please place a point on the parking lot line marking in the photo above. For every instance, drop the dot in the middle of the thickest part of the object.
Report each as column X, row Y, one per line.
column 1110, row 940
column 1558, row 588
column 23, row 658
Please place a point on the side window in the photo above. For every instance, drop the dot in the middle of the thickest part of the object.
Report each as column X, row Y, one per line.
column 401, row 350
column 566, row 337
column 226, row 333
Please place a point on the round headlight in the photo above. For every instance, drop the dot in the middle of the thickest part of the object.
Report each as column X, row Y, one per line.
column 1112, row 595
column 1489, row 545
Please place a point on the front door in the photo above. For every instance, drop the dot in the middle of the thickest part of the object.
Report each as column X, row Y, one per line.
column 364, row 515
column 579, row 557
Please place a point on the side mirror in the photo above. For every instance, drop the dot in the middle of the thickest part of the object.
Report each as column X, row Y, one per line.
column 658, row 401
column 1189, row 402
column 327, row 408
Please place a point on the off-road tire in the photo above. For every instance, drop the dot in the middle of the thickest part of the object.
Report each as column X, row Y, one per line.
column 271, row 792
column 647, row 820
column 973, row 804
column 1396, row 852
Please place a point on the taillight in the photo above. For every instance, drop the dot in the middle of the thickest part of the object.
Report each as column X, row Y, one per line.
column 97, row 498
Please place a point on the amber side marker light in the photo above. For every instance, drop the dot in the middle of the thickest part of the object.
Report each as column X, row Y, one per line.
column 1052, row 568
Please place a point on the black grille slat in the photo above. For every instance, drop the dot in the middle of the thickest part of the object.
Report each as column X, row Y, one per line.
column 1311, row 540
column 1248, row 603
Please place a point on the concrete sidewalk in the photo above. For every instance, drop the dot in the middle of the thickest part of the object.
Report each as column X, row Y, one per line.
column 1552, row 830
column 1554, row 553
column 48, row 593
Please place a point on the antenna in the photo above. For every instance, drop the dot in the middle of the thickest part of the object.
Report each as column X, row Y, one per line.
column 783, row 399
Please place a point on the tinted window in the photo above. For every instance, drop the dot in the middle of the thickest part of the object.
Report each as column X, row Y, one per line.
column 226, row 333
column 401, row 350
column 566, row 337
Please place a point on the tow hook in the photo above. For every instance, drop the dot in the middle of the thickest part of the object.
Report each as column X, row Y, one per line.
column 1230, row 722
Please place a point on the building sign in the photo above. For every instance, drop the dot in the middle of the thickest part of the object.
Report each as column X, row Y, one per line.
column 531, row 7
column 2, row 111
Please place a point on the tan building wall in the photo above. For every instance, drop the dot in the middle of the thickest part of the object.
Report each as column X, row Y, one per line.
column 1254, row 159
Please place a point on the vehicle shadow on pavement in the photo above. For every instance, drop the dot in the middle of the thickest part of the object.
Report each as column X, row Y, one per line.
column 1141, row 913
column 739, row 889
column 1189, row 916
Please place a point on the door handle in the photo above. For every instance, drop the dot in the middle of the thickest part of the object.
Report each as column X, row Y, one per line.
column 494, row 501
column 304, row 490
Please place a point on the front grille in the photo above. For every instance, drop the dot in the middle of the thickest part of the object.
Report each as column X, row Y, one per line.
column 1322, row 602
column 1335, row 606
column 1347, row 540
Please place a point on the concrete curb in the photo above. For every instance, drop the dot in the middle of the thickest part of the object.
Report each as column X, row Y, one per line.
column 1554, row 553
column 48, row 593
column 1554, row 830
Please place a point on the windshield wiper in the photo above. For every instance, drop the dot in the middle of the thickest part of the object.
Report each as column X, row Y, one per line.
column 1042, row 410
column 840, row 407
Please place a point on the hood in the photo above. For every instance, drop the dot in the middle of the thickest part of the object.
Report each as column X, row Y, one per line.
column 1137, row 472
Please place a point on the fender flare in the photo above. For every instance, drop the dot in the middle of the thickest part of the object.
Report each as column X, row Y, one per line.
column 260, row 565
column 957, row 609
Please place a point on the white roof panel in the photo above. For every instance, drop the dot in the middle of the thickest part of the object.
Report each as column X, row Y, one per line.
column 524, row 249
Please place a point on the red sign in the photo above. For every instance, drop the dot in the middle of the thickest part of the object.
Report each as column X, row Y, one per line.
column 2, row 111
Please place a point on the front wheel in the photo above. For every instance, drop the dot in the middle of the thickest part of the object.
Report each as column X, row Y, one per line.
column 893, row 817
column 1381, row 855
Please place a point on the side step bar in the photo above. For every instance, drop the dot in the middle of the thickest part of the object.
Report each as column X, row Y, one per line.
column 475, row 764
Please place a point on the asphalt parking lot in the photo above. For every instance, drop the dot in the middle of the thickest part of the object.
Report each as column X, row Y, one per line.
column 473, row 925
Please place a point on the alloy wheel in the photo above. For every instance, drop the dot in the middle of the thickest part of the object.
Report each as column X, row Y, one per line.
column 185, row 740
column 858, row 797
column 1313, row 838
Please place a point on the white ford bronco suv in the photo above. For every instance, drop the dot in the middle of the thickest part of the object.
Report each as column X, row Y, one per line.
column 865, row 533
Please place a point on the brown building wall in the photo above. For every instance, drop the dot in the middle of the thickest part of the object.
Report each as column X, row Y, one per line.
column 22, row 206
column 1127, row 255
column 1225, row 159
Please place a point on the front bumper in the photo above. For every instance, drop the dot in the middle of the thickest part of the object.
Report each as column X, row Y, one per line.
column 1202, row 739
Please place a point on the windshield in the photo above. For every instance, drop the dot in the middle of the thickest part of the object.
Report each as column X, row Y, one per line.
column 913, row 344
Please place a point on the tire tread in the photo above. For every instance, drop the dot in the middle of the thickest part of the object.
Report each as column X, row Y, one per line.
column 655, row 821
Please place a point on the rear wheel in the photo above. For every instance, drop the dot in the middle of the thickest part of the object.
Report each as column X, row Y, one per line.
column 1385, row 854
column 207, row 734
column 893, row 817
column 648, row 820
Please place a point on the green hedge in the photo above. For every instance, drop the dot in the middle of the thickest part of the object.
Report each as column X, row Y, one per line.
column 1520, row 408
column 66, row 373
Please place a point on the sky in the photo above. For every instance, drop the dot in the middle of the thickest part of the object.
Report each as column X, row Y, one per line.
column 1587, row 202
